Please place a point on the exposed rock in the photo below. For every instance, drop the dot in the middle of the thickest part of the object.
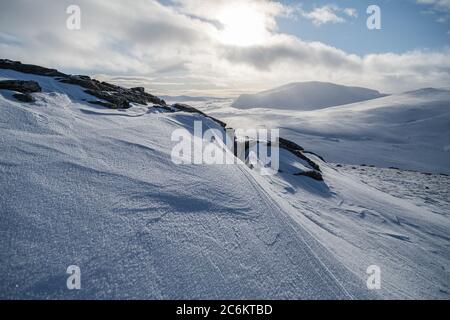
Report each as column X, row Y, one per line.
column 138, row 89
column 103, row 104
column 289, row 145
column 311, row 174
column 20, row 86
column 116, row 101
column 299, row 152
column 188, row 108
column 24, row 97
column 29, row 68
column 116, row 96
column 82, row 81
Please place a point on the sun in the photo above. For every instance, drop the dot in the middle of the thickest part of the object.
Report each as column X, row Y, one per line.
column 242, row 26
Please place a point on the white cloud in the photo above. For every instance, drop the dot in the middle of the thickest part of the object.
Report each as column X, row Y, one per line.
column 329, row 14
column 441, row 8
column 180, row 49
column 351, row 12
column 324, row 15
column 442, row 5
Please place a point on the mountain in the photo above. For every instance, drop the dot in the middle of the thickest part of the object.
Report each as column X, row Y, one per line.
column 408, row 130
column 87, row 179
column 306, row 96
column 184, row 98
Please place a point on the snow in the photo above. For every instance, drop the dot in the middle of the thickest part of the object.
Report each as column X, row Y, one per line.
column 305, row 96
column 409, row 130
column 87, row 186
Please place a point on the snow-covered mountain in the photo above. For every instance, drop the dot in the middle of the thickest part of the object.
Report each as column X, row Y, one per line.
column 304, row 96
column 87, row 179
column 408, row 130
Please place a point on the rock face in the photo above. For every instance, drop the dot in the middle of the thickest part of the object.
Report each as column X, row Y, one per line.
column 29, row 68
column 116, row 97
column 311, row 174
column 23, row 97
column 188, row 108
column 20, row 86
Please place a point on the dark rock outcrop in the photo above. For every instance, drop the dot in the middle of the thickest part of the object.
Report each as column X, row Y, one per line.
column 311, row 174
column 188, row 108
column 289, row 145
column 29, row 68
column 117, row 97
column 138, row 89
column 23, row 97
column 20, row 86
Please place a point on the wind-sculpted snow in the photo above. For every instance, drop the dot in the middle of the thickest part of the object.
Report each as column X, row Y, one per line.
column 94, row 187
column 83, row 185
column 409, row 130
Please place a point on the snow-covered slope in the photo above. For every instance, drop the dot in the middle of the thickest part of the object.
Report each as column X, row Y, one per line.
column 97, row 188
column 89, row 186
column 409, row 131
column 304, row 96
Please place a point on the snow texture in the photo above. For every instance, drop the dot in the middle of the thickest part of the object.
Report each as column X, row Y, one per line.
column 88, row 186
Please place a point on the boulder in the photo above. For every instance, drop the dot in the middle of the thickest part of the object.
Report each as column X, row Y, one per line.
column 311, row 174
column 29, row 68
column 138, row 89
column 23, row 97
column 20, row 86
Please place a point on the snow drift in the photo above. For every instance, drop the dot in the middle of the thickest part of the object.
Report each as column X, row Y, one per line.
column 81, row 184
column 408, row 130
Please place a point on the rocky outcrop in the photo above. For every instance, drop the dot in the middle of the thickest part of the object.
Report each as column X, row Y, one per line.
column 20, row 86
column 24, row 97
column 311, row 174
column 289, row 145
column 188, row 108
column 29, row 68
column 116, row 97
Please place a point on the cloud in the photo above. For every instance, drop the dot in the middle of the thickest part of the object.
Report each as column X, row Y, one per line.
column 179, row 48
column 441, row 5
column 351, row 12
column 329, row 14
column 441, row 8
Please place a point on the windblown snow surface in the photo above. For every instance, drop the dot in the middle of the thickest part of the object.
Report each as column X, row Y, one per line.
column 93, row 187
column 409, row 130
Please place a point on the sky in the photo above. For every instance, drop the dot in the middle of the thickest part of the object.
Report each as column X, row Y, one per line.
column 229, row 47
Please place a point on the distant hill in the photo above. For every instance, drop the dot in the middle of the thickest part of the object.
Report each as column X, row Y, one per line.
column 184, row 98
column 306, row 96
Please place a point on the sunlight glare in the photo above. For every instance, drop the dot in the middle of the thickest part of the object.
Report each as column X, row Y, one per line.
column 242, row 26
